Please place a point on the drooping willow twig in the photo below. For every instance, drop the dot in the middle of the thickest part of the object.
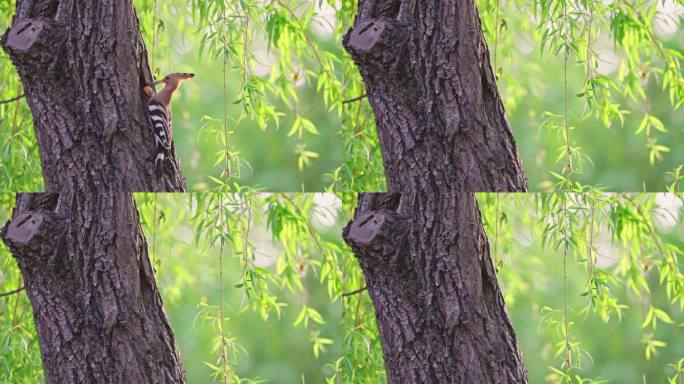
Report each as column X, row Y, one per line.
column 566, row 234
column 496, row 36
column 566, row 127
column 12, row 292
column 358, row 98
column 354, row 292
column 154, row 34
column 154, row 227
column 590, row 250
column 496, row 233
column 224, row 358
column 16, row 98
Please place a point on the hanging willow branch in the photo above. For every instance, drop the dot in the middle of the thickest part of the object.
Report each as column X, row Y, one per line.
column 355, row 99
column 355, row 292
column 224, row 356
column 568, row 167
column 566, row 233
column 497, row 256
column 16, row 98
column 496, row 36
column 4, row 294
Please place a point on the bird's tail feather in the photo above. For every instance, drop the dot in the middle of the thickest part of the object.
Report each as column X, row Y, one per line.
column 158, row 163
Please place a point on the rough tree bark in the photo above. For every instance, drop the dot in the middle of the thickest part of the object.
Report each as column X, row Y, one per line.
column 83, row 65
column 438, row 114
column 422, row 248
column 96, row 306
column 81, row 252
column 429, row 274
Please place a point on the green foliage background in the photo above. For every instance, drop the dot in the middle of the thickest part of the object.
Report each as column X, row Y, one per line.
column 282, row 268
column 594, row 93
column 239, row 317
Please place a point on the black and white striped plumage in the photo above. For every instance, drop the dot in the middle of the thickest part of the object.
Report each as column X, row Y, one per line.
column 160, row 114
column 160, row 119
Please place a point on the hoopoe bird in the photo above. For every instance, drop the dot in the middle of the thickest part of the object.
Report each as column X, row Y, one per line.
column 160, row 114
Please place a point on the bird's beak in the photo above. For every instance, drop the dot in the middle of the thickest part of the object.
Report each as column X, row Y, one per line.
column 190, row 75
column 158, row 82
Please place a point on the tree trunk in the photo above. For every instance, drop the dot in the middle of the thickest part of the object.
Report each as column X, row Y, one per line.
column 97, row 310
column 422, row 248
column 83, row 65
column 438, row 306
column 82, row 253
column 429, row 81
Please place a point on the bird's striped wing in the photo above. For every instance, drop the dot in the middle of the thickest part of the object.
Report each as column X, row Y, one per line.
column 159, row 118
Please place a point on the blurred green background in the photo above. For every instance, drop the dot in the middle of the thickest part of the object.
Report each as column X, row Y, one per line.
column 531, row 83
column 270, row 153
column 280, row 353
column 275, row 350
column 619, row 159
column 532, row 281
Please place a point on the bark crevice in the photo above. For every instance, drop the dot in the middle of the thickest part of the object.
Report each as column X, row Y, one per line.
column 378, row 233
column 38, row 231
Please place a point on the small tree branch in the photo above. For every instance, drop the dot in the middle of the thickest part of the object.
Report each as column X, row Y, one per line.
column 12, row 99
column 355, row 99
column 12, row 292
column 355, row 292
